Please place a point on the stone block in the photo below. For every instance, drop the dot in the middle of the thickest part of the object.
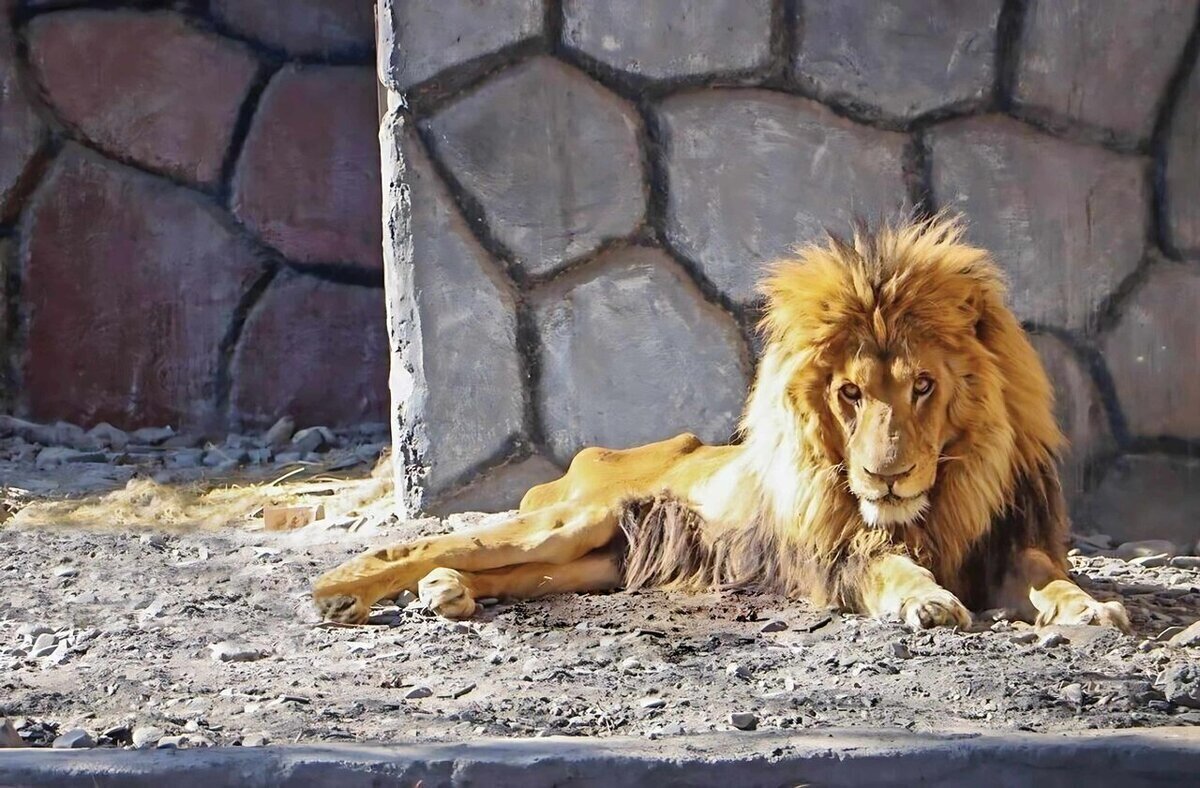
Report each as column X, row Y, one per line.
column 302, row 27
column 752, row 173
column 1105, row 63
column 308, row 178
column 152, row 90
column 129, row 284
column 1182, row 172
column 501, row 488
column 552, row 159
column 904, row 57
column 474, row 398
column 314, row 350
column 1078, row 408
column 21, row 132
column 431, row 37
column 1067, row 222
column 671, row 38
column 1153, row 352
column 631, row 353
column 1144, row 496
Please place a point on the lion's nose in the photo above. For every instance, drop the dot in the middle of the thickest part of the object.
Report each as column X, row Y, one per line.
column 889, row 478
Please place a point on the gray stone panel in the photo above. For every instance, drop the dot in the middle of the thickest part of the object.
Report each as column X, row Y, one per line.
column 1147, row 497
column 631, row 353
column 1103, row 62
column 1183, row 170
column 1067, row 222
column 21, row 132
column 1078, row 409
column 906, row 57
column 552, row 158
column 1153, row 353
column 432, row 36
column 671, row 38
column 501, row 488
column 474, row 381
column 752, row 173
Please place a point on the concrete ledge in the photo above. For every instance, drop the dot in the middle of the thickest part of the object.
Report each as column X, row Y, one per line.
column 826, row 758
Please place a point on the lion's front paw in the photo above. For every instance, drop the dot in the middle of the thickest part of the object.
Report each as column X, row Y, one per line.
column 1083, row 610
column 936, row 607
column 445, row 592
column 342, row 608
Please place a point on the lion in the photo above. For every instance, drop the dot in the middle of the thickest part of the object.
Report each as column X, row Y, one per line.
column 897, row 459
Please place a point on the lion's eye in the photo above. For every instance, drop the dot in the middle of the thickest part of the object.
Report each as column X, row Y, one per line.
column 923, row 385
column 850, row 392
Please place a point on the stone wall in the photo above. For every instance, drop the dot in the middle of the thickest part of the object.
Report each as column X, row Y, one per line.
column 189, row 212
column 593, row 187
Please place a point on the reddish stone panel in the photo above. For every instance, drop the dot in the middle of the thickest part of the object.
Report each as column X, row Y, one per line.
column 302, row 27
column 20, row 129
column 144, row 87
column 314, row 350
column 308, row 179
column 129, row 284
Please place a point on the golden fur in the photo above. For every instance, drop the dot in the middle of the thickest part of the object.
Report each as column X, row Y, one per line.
column 897, row 458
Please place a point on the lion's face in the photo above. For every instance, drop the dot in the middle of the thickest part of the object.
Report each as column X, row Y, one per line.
column 893, row 411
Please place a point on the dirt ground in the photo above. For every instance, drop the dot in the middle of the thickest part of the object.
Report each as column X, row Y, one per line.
column 142, row 602
column 136, row 619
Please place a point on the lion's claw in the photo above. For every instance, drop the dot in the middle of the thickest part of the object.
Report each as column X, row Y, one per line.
column 445, row 592
column 342, row 608
column 935, row 608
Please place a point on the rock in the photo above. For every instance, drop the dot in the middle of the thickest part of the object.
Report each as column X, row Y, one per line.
column 1150, row 352
column 1148, row 495
column 313, row 28
column 230, row 651
column 774, row 625
column 671, row 39
column 743, row 720
column 1182, row 171
column 145, row 736
column 469, row 335
column 52, row 456
column 310, row 439
column 734, row 670
column 60, row 434
column 1006, row 178
column 631, row 665
column 416, row 693
column 152, row 436
column 1024, row 638
column 431, row 38
column 1073, row 694
column 107, row 435
column 406, row 598
column 299, row 333
column 1148, row 548
column 1052, row 639
column 157, row 90
column 1078, row 60
column 1096, row 541
column 260, row 739
column 898, row 650
column 34, row 630
column 753, row 173
column 21, row 131
column 500, row 489
column 1186, row 562
column 550, row 197
column 1151, row 561
column 74, row 739
column 173, row 742
column 632, row 353
column 308, row 182
column 1188, row 637
column 118, row 734
column 150, row 251
column 1181, row 685
column 652, row 703
column 280, row 432
column 1079, row 410
column 44, row 646
column 285, row 457
column 906, row 57
column 8, row 735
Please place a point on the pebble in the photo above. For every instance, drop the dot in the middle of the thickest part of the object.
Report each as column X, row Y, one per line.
column 44, row 645
column 1052, row 639
column 280, row 432
column 285, row 457
column 311, row 439
column 173, row 742
column 117, row 734
column 1188, row 637
column 108, row 435
column 743, row 720
column 229, row 651
column 74, row 739
column 145, row 736
column 1073, row 694
column 406, row 598
column 416, row 693
column 151, row 436
column 259, row 739
column 630, row 665
column 774, row 626
column 1131, row 550
column 1151, row 561
column 652, row 703
column 734, row 670
column 1186, row 562
column 898, row 650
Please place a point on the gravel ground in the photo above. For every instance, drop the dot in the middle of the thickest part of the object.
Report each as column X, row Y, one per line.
column 189, row 639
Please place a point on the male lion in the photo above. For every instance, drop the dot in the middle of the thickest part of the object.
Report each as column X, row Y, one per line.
column 898, row 460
